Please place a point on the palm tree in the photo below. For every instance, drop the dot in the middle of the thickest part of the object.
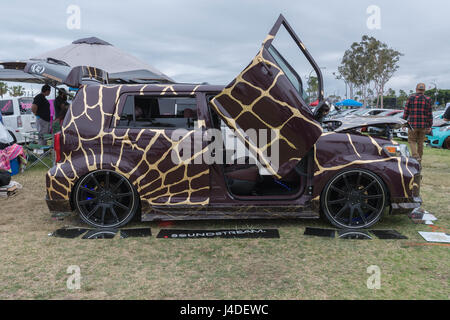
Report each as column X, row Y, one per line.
column 17, row 91
column 3, row 89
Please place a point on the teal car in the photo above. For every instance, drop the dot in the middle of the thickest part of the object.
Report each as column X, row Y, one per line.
column 440, row 134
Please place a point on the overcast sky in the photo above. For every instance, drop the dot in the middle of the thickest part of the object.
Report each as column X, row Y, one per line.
column 212, row 41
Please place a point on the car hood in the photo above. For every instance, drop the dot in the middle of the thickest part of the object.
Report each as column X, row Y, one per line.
column 352, row 123
column 440, row 123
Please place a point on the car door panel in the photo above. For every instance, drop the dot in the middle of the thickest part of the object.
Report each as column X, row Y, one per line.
column 262, row 97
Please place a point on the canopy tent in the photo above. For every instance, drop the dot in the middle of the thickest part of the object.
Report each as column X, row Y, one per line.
column 349, row 103
column 93, row 52
column 100, row 54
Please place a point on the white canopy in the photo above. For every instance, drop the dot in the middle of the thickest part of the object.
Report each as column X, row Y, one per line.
column 97, row 53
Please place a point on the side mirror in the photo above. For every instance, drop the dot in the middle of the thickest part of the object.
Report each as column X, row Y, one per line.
column 322, row 110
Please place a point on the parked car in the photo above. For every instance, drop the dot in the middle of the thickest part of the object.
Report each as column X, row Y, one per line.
column 344, row 113
column 390, row 113
column 118, row 154
column 397, row 114
column 440, row 137
column 17, row 116
column 366, row 112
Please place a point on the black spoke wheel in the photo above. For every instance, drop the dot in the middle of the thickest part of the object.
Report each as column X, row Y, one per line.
column 354, row 199
column 105, row 199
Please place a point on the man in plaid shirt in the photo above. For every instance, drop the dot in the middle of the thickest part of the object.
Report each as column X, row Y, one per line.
column 419, row 113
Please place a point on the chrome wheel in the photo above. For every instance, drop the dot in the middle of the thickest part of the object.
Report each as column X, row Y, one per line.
column 105, row 199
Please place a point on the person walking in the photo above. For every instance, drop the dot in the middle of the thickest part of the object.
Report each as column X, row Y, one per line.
column 419, row 113
column 41, row 108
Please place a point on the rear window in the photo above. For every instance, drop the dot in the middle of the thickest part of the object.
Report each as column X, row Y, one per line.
column 6, row 107
column 25, row 105
column 159, row 112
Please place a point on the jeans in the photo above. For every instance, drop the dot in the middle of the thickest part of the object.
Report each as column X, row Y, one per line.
column 43, row 128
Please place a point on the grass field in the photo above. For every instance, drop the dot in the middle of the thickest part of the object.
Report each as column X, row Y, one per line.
column 34, row 266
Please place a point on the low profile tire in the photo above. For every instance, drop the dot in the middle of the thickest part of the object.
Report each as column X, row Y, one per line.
column 106, row 199
column 354, row 199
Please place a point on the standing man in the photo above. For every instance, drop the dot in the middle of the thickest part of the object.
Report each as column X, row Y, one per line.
column 419, row 113
column 41, row 108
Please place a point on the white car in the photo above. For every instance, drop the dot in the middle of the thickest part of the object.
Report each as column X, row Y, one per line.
column 17, row 116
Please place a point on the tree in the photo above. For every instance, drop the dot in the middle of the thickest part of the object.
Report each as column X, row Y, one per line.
column 313, row 87
column 369, row 61
column 342, row 74
column 385, row 64
column 17, row 91
column 402, row 97
column 3, row 89
column 356, row 65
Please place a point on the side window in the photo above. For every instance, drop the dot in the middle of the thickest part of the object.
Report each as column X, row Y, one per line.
column 127, row 116
column 159, row 112
column 25, row 105
column 6, row 107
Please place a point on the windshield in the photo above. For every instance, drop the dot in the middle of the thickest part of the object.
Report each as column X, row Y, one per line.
column 360, row 112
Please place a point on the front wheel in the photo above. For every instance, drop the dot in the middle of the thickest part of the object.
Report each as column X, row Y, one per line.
column 105, row 199
column 354, row 199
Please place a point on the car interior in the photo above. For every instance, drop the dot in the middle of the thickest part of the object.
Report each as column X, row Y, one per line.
column 247, row 177
column 159, row 112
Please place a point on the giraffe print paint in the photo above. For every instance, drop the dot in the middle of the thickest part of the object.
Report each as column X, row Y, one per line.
column 115, row 153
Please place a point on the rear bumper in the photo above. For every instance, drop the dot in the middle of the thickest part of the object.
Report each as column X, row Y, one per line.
column 58, row 205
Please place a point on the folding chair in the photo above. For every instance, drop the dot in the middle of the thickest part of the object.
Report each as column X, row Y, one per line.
column 37, row 153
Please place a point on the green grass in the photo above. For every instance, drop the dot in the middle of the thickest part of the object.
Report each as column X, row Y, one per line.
column 33, row 265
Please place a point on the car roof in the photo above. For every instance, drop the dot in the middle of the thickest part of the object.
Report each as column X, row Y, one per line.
column 168, row 88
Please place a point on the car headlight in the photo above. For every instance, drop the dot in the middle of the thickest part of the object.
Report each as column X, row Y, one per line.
column 394, row 150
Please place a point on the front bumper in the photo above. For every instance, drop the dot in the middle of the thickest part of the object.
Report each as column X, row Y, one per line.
column 405, row 205
column 57, row 206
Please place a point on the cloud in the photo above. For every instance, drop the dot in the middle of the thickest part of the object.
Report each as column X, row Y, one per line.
column 212, row 41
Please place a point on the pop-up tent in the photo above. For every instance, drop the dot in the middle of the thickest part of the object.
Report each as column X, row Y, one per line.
column 93, row 52
column 349, row 103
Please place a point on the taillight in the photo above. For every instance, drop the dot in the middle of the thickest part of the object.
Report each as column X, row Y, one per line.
column 57, row 146
column 19, row 122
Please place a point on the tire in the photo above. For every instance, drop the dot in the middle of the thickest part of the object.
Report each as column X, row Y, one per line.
column 105, row 199
column 354, row 199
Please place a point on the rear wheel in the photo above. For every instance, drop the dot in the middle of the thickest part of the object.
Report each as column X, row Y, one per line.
column 105, row 199
column 354, row 199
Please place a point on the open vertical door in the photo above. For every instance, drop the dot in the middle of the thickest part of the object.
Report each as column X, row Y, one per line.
column 267, row 94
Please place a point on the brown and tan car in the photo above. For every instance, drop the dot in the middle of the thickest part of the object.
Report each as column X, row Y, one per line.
column 115, row 154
